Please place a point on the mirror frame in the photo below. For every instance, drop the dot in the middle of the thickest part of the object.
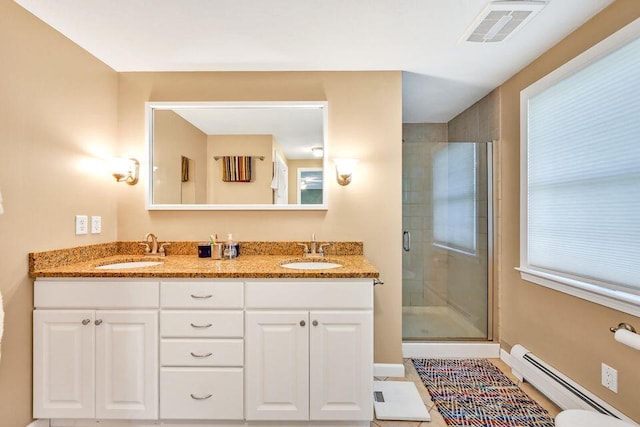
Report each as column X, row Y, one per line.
column 150, row 107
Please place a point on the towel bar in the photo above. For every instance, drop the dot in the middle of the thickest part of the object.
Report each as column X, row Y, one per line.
column 255, row 157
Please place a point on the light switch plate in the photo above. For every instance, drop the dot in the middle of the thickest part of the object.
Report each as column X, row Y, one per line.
column 96, row 224
column 82, row 224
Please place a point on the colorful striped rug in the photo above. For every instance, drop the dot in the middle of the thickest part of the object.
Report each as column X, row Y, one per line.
column 474, row 392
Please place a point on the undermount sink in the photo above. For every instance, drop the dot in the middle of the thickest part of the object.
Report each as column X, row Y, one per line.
column 131, row 264
column 310, row 265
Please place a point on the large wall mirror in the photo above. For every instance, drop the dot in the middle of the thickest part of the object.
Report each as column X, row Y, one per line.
column 237, row 155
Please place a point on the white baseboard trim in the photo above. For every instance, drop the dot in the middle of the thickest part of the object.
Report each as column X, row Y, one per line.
column 199, row 423
column 451, row 350
column 507, row 358
column 39, row 423
column 395, row 370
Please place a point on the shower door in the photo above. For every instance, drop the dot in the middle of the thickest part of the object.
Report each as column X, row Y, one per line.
column 447, row 234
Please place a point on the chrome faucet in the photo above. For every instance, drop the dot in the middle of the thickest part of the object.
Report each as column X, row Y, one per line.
column 314, row 252
column 313, row 243
column 154, row 243
column 152, row 247
column 321, row 250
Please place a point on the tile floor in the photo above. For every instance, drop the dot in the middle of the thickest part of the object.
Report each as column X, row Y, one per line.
column 436, row 418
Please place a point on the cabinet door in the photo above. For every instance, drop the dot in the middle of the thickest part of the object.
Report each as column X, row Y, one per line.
column 277, row 365
column 341, row 365
column 63, row 364
column 126, row 364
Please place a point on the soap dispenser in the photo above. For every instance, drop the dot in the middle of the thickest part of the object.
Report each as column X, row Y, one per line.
column 230, row 248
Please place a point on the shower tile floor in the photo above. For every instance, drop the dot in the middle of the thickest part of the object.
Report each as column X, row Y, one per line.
column 436, row 322
column 436, row 418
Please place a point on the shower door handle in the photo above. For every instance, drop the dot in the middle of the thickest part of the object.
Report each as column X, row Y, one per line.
column 406, row 241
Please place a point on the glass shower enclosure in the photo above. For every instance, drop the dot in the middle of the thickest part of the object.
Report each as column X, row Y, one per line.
column 447, row 230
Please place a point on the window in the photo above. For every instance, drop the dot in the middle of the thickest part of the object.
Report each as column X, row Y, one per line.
column 310, row 186
column 581, row 176
column 454, row 197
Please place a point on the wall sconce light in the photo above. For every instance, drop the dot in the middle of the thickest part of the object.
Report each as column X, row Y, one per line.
column 317, row 152
column 344, row 170
column 125, row 170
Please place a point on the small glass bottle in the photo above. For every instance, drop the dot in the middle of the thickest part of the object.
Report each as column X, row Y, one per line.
column 230, row 251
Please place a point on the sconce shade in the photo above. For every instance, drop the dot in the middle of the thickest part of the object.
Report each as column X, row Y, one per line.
column 344, row 170
column 125, row 170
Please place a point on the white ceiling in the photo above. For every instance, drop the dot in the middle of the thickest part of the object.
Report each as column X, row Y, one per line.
column 442, row 77
column 297, row 130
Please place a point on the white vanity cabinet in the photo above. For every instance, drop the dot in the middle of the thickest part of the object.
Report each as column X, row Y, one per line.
column 203, row 352
column 309, row 350
column 97, row 358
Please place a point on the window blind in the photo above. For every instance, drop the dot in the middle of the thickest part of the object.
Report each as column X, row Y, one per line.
column 454, row 196
column 583, row 173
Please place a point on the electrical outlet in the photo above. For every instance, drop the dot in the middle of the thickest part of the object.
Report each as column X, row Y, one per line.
column 96, row 224
column 610, row 378
column 82, row 224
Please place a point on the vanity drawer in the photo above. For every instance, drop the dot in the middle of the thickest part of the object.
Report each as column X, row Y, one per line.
column 202, row 324
column 201, row 295
column 95, row 294
column 321, row 294
column 197, row 352
column 201, row 393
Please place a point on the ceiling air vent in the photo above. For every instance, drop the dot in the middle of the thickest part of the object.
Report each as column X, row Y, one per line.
column 500, row 19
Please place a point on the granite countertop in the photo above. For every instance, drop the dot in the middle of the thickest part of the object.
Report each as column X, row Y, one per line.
column 249, row 266
column 190, row 266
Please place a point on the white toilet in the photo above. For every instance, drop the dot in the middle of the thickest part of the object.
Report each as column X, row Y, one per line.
column 582, row 418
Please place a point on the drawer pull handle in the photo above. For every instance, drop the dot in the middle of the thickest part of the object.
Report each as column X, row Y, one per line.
column 98, row 322
column 193, row 396
column 201, row 296
column 201, row 355
column 86, row 322
column 208, row 325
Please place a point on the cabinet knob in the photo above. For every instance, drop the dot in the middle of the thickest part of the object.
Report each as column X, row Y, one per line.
column 86, row 321
column 98, row 322
column 193, row 396
column 302, row 323
column 314, row 323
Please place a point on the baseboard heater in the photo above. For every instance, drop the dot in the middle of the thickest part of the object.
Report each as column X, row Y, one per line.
column 559, row 388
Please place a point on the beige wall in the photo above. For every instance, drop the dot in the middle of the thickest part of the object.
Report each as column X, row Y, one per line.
column 174, row 137
column 365, row 116
column 58, row 114
column 570, row 333
column 257, row 191
column 293, row 175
